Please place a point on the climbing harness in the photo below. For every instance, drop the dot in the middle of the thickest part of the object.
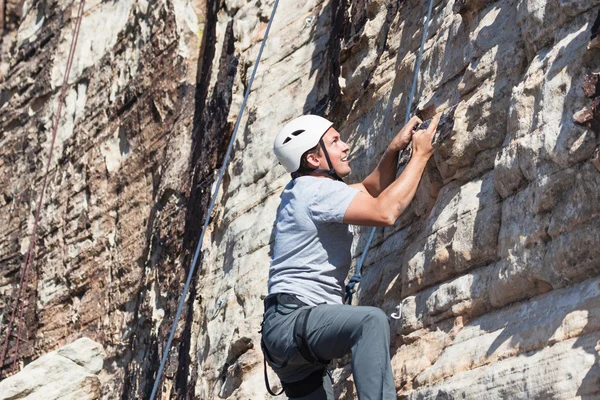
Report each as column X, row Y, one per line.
column 314, row 380
column 350, row 286
column 210, row 208
column 24, row 280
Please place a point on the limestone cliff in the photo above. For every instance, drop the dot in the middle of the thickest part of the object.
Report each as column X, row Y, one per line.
column 495, row 265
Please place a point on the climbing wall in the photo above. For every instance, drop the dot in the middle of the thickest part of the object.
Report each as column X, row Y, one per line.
column 110, row 245
column 494, row 268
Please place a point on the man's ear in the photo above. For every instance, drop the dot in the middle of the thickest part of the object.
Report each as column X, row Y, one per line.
column 313, row 160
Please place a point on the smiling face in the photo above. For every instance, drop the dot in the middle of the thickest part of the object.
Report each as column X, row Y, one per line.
column 338, row 154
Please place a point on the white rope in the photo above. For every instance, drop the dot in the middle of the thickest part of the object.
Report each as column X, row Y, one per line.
column 359, row 263
column 209, row 212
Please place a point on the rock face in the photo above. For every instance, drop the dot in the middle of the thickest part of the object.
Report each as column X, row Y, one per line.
column 495, row 266
column 68, row 373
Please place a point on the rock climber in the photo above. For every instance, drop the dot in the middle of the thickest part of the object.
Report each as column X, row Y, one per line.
column 306, row 324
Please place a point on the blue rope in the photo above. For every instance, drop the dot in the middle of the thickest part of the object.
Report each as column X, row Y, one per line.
column 359, row 263
column 210, row 208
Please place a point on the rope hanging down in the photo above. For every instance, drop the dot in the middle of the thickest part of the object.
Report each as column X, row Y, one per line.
column 210, row 208
column 359, row 263
column 24, row 280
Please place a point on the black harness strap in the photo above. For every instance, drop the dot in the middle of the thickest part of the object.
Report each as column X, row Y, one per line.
column 300, row 336
column 266, row 377
column 313, row 381
column 271, row 361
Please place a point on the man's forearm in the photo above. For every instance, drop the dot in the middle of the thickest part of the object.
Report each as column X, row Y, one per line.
column 383, row 175
column 397, row 196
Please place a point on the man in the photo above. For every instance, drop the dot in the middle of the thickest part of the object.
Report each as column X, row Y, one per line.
column 305, row 323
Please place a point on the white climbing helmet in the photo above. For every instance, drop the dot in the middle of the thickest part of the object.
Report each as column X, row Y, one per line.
column 298, row 136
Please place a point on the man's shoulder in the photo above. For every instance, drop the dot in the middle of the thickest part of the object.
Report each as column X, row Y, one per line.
column 311, row 182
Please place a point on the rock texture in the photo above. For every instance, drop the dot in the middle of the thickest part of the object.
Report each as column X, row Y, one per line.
column 68, row 373
column 495, row 266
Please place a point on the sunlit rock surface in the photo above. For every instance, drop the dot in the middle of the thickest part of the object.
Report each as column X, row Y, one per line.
column 70, row 372
column 494, row 267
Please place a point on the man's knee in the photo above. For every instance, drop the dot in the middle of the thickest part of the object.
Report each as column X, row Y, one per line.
column 374, row 327
column 375, row 318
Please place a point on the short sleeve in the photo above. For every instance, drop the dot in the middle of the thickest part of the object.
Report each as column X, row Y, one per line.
column 331, row 200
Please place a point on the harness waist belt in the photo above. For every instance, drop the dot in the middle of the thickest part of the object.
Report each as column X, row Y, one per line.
column 282, row 298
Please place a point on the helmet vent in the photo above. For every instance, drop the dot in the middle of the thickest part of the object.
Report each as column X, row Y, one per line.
column 295, row 133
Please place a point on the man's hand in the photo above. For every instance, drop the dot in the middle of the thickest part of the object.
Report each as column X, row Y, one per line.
column 421, row 139
column 383, row 207
column 405, row 135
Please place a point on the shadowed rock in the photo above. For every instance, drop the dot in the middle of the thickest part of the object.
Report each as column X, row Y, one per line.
column 442, row 133
column 595, row 39
column 589, row 116
column 596, row 159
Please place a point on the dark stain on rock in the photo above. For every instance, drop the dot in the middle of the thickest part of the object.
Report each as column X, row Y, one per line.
column 595, row 39
column 443, row 132
column 591, row 85
column 348, row 22
column 465, row 7
column 589, row 116
column 459, row 7
column 351, row 32
column 140, row 358
column 596, row 159
column 392, row 10
column 445, row 127
column 328, row 75
column 211, row 136
column 596, row 27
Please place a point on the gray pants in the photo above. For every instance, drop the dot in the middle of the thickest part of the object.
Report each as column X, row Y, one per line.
column 332, row 332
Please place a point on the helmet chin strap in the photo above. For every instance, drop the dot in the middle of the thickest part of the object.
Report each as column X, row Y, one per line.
column 330, row 172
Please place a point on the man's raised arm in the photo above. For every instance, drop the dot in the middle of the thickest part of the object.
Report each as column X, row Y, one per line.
column 384, row 209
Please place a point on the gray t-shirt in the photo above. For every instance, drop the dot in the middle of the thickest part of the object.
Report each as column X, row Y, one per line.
column 311, row 253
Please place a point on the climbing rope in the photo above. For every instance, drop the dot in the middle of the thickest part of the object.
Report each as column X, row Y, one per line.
column 210, row 208
column 24, row 280
column 359, row 263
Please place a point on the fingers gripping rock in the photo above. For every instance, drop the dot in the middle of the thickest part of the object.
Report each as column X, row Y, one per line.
column 443, row 132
